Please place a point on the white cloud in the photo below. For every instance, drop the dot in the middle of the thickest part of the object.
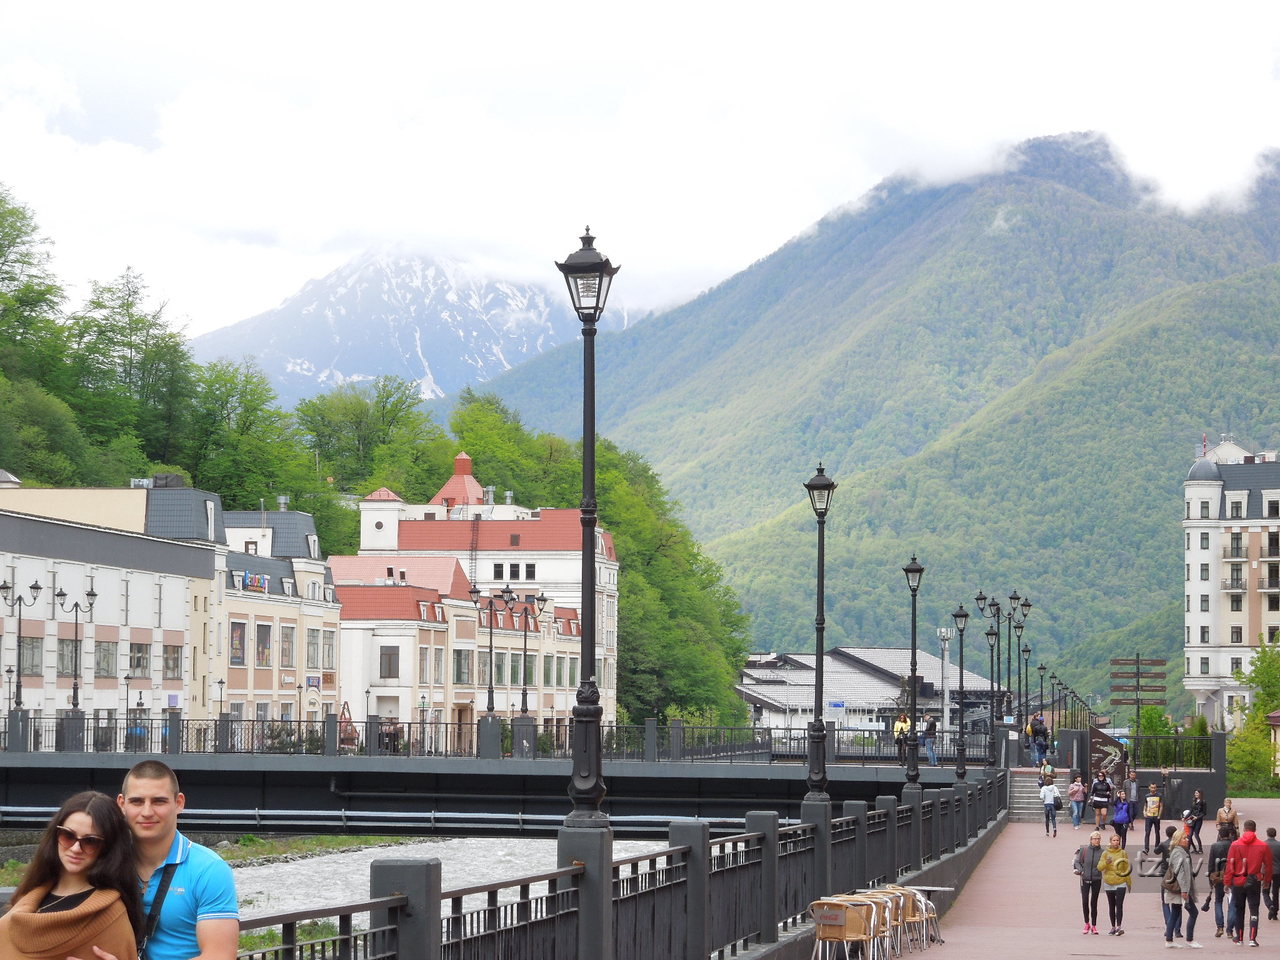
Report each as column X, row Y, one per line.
column 230, row 153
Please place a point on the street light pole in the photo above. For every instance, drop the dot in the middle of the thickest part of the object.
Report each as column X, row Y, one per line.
column 993, row 635
column 914, row 571
column 820, row 488
column 961, row 617
column 221, row 684
column 492, row 604
column 540, row 604
column 90, row 598
column 588, row 275
column 1041, row 669
column 1024, row 671
column 19, row 601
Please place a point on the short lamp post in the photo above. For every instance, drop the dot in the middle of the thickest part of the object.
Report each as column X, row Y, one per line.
column 76, row 608
column 8, row 693
column 820, row 488
column 524, row 728
column 18, row 601
column 913, row 571
column 993, row 637
column 492, row 604
column 1040, row 670
column 588, row 274
column 221, row 685
column 961, row 618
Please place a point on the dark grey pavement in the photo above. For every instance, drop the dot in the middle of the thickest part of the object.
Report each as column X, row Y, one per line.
column 1024, row 901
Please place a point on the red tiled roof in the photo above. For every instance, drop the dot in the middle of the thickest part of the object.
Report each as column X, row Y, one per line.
column 382, row 493
column 553, row 530
column 442, row 574
column 367, row 602
column 462, row 488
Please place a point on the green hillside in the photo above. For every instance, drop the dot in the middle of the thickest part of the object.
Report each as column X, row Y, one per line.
column 1007, row 376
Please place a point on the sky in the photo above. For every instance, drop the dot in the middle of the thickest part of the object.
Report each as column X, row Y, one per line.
column 229, row 153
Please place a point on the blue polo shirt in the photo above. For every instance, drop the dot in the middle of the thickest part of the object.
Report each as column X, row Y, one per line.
column 202, row 889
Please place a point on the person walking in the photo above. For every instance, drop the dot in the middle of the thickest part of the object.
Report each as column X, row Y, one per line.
column 1199, row 810
column 1178, row 889
column 901, row 727
column 1085, row 866
column 1077, row 793
column 931, row 738
column 1271, row 892
column 1228, row 815
column 80, row 890
column 1122, row 819
column 1051, row 799
column 1248, row 871
column 1039, row 739
column 1117, row 881
column 1100, row 799
column 1216, row 863
column 1152, row 807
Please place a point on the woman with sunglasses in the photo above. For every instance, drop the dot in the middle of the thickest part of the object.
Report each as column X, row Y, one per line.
column 80, row 889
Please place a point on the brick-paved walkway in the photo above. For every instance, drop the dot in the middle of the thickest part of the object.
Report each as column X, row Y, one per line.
column 1024, row 901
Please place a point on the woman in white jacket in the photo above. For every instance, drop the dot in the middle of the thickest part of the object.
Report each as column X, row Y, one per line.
column 1050, row 797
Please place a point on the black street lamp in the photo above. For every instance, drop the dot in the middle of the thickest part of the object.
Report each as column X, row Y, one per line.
column 1041, row 669
column 19, row 601
column 1019, row 608
column 221, row 684
column 494, row 602
column 993, row 635
column 538, row 604
column 588, row 275
column 914, row 571
column 90, row 598
column 820, row 488
column 961, row 617
column 8, row 693
column 1024, row 673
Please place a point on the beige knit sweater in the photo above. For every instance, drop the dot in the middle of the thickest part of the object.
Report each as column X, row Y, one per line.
column 100, row 921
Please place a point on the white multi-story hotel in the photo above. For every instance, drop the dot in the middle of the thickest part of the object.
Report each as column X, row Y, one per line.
column 1231, row 539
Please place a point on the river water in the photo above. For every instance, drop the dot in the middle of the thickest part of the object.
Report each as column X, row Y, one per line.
column 339, row 878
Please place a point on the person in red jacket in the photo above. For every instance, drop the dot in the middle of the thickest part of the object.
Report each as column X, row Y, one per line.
column 1247, row 874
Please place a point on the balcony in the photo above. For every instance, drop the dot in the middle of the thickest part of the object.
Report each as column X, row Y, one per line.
column 1235, row 586
column 1269, row 584
column 1269, row 553
column 1235, row 553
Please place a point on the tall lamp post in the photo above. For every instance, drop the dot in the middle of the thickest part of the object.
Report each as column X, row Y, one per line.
column 961, row 617
column 493, row 603
column 1025, row 672
column 539, row 604
column 993, row 635
column 1019, row 608
column 1040, row 670
column 90, row 598
column 19, row 601
column 820, row 487
column 221, row 685
column 914, row 571
column 588, row 275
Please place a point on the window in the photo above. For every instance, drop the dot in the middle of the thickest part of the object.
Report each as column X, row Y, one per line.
column 1204, row 571
column 313, row 546
column 1235, row 510
column 531, row 571
column 286, row 645
column 66, row 658
column 140, row 659
column 462, row 666
column 1204, row 665
column 573, row 672
column 1237, row 545
column 251, row 547
column 327, row 653
column 1235, row 664
column 236, row 651
column 1188, row 540
column 172, row 661
column 515, row 571
column 1204, row 541
column 1273, row 601
column 1187, row 572
column 1204, row 509
column 262, row 649
column 482, row 668
column 104, row 658
column 1271, row 633
column 313, row 648
column 548, row 669
column 1237, row 635
column 1273, row 508
column 438, row 659
column 389, row 662
column 516, row 667
column 1204, row 601
column 424, row 665
column 1204, row 634
column 1237, row 602
column 1188, row 669
column 1237, row 576
column 497, row 571
column 559, row 671
column 262, row 710
column 1188, row 504
column 500, row 669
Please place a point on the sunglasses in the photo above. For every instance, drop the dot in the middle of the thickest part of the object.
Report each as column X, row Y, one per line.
column 68, row 838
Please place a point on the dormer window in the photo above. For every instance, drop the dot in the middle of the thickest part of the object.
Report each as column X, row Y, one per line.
column 1237, row 510
column 313, row 546
column 251, row 547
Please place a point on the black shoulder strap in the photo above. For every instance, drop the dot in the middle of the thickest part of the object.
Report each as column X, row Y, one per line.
column 153, row 917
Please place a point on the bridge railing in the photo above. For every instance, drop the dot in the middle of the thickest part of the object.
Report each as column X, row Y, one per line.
column 699, row 896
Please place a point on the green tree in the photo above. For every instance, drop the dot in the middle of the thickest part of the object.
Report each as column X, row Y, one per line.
column 32, row 344
column 1251, row 755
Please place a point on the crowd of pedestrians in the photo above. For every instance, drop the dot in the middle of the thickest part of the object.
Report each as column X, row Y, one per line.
column 1238, row 877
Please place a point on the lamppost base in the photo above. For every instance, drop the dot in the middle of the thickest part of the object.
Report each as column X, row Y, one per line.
column 489, row 746
column 524, row 737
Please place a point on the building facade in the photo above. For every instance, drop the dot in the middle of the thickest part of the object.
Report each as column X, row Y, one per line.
column 1231, row 571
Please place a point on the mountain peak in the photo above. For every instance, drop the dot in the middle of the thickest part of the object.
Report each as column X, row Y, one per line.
column 1084, row 161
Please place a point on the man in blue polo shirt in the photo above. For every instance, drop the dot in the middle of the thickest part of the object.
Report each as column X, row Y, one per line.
column 199, row 916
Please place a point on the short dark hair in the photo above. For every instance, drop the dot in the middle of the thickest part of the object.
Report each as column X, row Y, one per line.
column 1271, row 831
column 1250, row 825
column 151, row 770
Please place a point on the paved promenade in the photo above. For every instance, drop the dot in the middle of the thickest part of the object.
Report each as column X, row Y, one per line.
column 1024, row 901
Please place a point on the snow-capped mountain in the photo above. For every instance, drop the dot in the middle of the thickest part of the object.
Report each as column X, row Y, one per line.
column 435, row 322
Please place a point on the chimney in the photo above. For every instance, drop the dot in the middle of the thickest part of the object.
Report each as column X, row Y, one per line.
column 510, row 498
column 489, row 491
column 282, row 503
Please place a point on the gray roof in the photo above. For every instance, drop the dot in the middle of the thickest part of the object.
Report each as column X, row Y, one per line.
column 276, row 570
column 1204, row 469
column 178, row 513
column 289, row 528
column 1252, row 477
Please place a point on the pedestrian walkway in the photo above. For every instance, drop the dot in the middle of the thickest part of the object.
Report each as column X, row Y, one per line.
column 1024, row 901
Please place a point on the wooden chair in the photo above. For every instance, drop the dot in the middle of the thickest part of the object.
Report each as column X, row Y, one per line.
column 841, row 922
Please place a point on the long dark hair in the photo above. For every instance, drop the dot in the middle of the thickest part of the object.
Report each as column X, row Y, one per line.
column 113, row 870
